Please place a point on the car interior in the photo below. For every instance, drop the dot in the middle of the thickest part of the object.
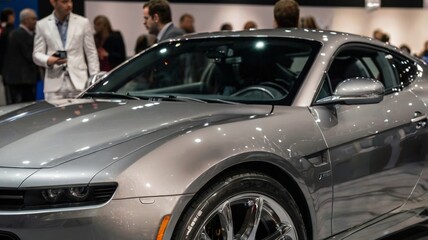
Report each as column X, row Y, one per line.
column 242, row 75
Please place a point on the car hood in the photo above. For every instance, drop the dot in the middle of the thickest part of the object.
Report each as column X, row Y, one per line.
column 46, row 134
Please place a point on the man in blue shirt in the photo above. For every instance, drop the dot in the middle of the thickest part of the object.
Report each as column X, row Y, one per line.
column 64, row 45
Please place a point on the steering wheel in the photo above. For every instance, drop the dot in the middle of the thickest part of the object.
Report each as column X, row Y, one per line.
column 279, row 88
column 254, row 92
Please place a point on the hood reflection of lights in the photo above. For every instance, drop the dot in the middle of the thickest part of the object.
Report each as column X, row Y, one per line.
column 137, row 107
column 82, row 149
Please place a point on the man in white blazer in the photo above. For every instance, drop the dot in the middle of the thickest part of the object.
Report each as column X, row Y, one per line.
column 65, row 76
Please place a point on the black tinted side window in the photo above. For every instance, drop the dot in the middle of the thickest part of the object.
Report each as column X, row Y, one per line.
column 347, row 65
column 357, row 62
column 405, row 69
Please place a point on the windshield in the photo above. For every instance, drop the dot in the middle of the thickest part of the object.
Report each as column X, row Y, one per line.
column 228, row 69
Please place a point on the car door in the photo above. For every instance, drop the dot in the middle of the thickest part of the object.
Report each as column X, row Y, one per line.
column 376, row 150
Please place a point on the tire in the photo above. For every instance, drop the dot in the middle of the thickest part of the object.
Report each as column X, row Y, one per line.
column 242, row 205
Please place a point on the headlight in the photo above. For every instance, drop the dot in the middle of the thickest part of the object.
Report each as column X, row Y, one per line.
column 52, row 195
column 78, row 193
column 56, row 197
column 73, row 194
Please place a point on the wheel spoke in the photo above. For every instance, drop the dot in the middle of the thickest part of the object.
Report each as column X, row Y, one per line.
column 246, row 216
column 281, row 233
column 252, row 219
column 204, row 235
column 225, row 216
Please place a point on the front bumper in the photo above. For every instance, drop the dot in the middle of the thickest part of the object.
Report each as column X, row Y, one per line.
column 135, row 218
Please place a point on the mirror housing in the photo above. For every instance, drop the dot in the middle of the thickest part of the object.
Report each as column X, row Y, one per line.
column 356, row 91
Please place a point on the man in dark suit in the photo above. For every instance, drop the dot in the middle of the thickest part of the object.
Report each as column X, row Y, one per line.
column 158, row 20
column 19, row 71
column 7, row 22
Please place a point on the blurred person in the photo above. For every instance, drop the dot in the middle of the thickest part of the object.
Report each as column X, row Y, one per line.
column 424, row 53
column 144, row 41
column 20, row 73
column 158, row 20
column 405, row 48
column 7, row 21
column 309, row 22
column 2, row 93
column 7, row 18
column 109, row 43
column 286, row 14
column 250, row 25
column 226, row 27
column 187, row 23
column 381, row 36
column 378, row 34
column 385, row 38
column 64, row 45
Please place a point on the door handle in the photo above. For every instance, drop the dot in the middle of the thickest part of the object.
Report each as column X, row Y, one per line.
column 420, row 120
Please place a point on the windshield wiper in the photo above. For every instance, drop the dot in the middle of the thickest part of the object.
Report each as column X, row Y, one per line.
column 109, row 95
column 224, row 101
column 184, row 99
column 157, row 98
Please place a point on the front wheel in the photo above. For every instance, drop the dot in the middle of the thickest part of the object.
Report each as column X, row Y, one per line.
column 244, row 206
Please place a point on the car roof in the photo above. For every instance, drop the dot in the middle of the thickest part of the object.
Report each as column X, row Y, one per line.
column 325, row 37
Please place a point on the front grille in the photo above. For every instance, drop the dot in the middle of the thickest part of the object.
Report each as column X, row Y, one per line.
column 8, row 236
column 11, row 199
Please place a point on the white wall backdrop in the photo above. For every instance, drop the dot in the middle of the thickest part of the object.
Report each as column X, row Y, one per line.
column 403, row 25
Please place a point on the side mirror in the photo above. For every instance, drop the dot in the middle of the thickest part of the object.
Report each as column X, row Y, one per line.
column 95, row 78
column 356, row 91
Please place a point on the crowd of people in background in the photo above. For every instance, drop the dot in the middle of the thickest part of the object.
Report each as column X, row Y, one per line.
column 64, row 59
column 382, row 36
column 20, row 74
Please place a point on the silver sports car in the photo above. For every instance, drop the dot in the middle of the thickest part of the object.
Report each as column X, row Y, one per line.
column 268, row 134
